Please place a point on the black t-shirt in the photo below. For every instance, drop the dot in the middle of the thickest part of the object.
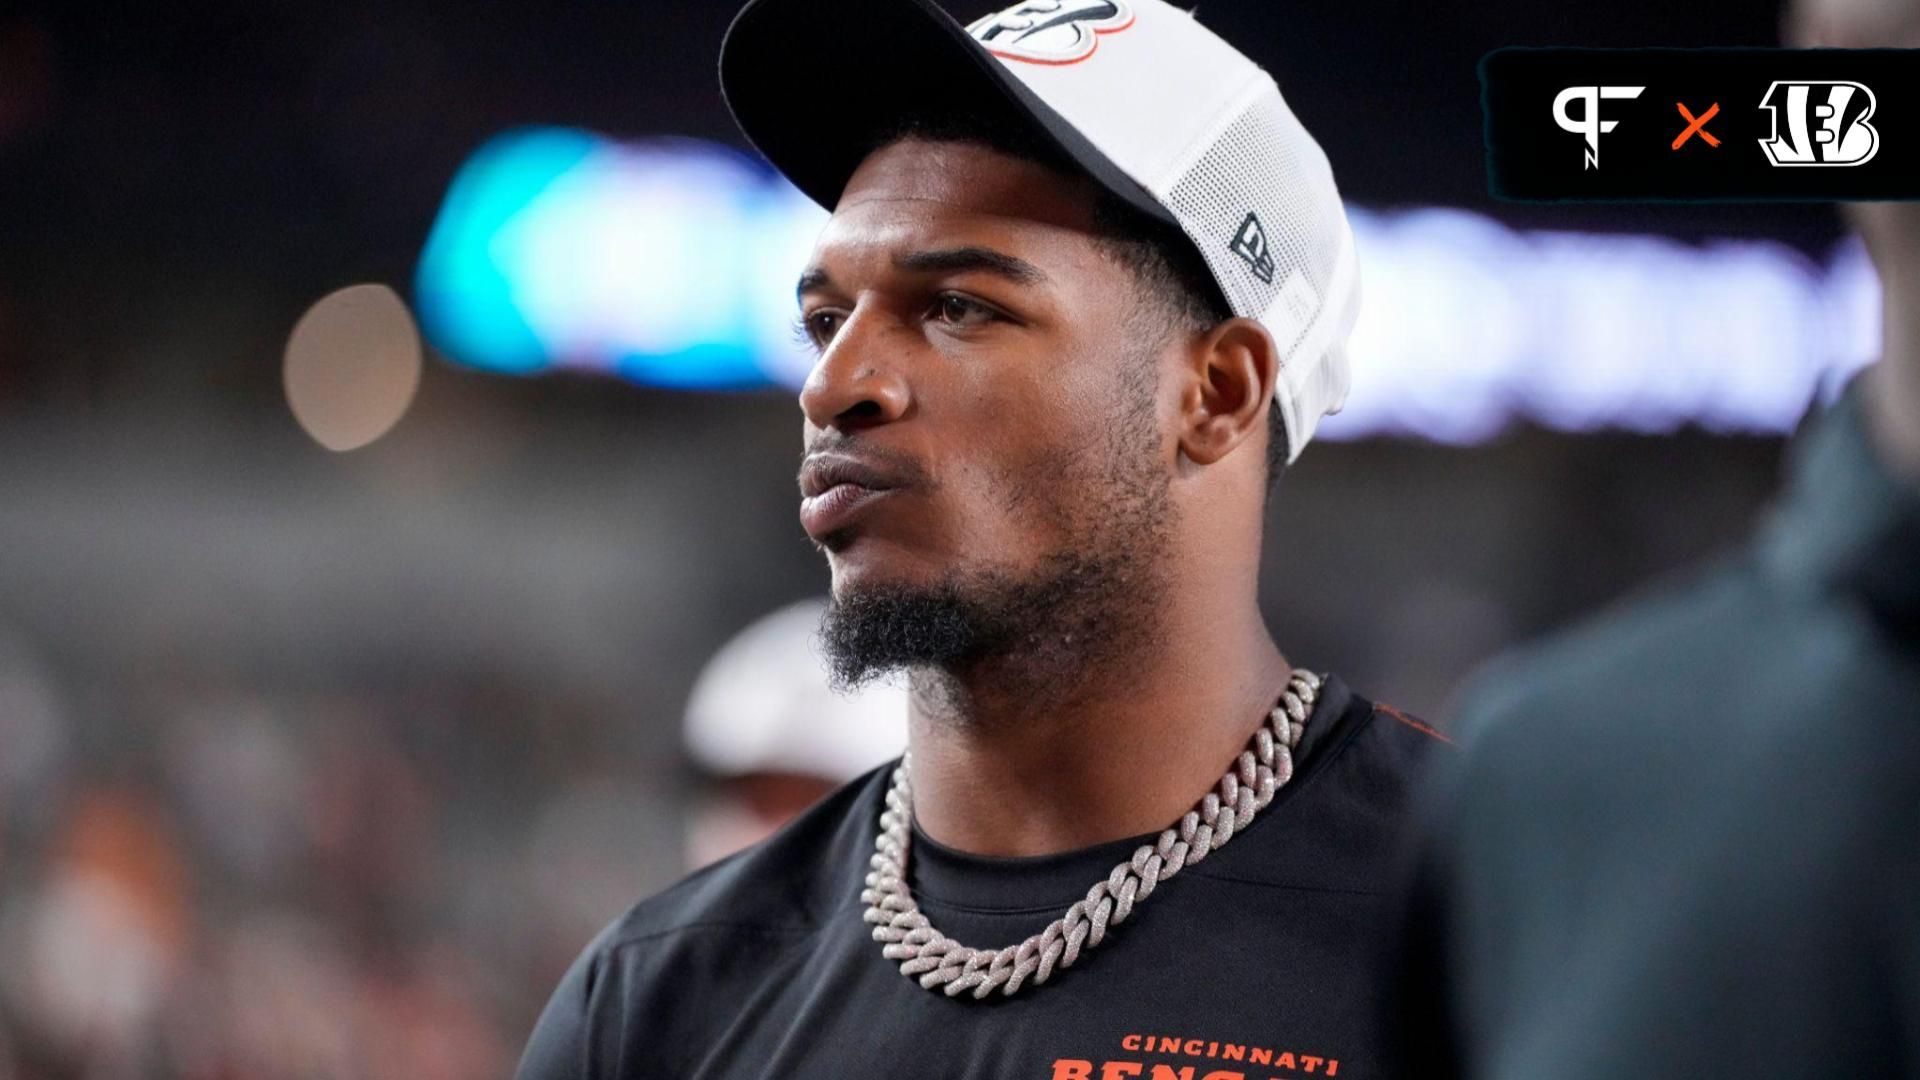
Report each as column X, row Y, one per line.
column 1262, row 961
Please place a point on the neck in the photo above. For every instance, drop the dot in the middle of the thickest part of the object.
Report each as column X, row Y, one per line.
column 1004, row 767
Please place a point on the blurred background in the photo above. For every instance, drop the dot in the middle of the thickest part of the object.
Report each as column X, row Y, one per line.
column 396, row 414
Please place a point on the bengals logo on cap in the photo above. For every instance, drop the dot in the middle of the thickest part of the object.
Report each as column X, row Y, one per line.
column 1051, row 31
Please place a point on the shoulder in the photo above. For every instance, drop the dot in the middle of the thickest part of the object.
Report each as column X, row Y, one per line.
column 1649, row 678
column 1381, row 746
column 1729, row 687
column 1726, row 651
column 782, row 885
column 1369, row 750
column 1658, row 644
column 1349, row 805
column 771, row 896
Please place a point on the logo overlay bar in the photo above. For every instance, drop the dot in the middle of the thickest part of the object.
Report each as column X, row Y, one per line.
column 1662, row 125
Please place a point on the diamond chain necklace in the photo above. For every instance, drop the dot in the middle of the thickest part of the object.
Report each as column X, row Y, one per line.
column 939, row 962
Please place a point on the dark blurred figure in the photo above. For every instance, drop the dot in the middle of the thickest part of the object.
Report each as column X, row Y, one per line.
column 1685, row 840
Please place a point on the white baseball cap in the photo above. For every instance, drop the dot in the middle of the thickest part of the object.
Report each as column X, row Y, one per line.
column 763, row 704
column 1150, row 104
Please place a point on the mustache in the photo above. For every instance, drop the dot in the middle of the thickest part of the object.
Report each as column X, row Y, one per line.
column 905, row 469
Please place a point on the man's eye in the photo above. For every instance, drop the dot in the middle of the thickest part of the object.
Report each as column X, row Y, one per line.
column 960, row 311
column 817, row 329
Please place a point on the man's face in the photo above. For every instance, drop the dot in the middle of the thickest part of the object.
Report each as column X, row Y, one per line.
column 983, row 415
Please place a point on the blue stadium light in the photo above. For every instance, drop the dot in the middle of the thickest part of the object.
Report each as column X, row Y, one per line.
column 669, row 262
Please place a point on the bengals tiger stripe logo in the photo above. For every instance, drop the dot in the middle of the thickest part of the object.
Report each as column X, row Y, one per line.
column 1051, row 31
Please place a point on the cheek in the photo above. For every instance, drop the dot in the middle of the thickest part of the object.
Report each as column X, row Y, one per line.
column 1033, row 485
column 1028, row 440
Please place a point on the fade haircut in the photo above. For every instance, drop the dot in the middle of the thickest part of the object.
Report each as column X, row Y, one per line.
column 1163, row 262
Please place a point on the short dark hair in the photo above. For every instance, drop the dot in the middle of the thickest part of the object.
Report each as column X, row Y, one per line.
column 1163, row 261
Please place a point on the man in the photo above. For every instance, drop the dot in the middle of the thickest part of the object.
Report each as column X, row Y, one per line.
column 1685, row 841
column 1085, row 275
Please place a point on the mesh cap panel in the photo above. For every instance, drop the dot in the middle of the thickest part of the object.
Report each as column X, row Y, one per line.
column 1261, row 206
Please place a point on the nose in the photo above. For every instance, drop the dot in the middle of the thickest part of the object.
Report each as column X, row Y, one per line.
column 858, row 382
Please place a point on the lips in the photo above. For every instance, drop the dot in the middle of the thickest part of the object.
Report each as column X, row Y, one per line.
column 836, row 489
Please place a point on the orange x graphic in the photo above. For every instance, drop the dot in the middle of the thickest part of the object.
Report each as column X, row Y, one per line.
column 1699, row 125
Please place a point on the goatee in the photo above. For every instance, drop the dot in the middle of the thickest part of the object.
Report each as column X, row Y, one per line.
column 1057, row 620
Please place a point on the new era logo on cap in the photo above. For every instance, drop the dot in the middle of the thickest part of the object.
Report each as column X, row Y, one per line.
column 1051, row 31
column 1250, row 243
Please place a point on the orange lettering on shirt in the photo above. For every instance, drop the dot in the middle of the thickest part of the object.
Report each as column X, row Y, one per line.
column 1070, row 1069
column 1119, row 1070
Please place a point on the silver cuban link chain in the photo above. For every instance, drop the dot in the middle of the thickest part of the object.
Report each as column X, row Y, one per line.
column 939, row 962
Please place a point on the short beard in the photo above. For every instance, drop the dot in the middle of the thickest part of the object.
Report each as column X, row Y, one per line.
column 1049, row 627
column 1044, row 632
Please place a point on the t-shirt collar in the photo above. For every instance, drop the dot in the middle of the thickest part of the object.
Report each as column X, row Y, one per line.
column 941, row 876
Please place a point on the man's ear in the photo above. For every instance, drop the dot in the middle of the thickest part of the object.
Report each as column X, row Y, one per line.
column 1234, row 368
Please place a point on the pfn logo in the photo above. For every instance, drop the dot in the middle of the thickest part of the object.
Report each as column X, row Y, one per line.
column 1826, row 123
column 1589, row 123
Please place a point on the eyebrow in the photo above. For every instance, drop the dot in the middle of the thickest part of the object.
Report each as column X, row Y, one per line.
column 944, row 261
column 815, row 278
column 971, row 259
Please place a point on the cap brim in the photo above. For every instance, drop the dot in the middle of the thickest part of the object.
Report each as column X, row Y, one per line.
column 816, row 86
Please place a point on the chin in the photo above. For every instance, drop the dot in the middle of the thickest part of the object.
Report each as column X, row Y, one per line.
column 863, row 563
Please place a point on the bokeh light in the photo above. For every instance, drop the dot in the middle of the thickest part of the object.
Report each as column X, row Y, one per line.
column 352, row 366
column 670, row 262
